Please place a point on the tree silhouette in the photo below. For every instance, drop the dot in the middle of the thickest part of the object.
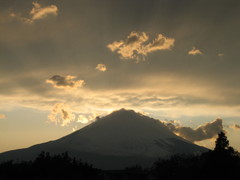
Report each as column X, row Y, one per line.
column 46, row 166
column 222, row 143
column 221, row 163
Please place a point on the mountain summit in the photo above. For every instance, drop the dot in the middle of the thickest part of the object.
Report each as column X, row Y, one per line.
column 122, row 138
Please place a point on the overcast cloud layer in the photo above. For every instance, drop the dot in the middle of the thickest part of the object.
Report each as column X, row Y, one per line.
column 68, row 44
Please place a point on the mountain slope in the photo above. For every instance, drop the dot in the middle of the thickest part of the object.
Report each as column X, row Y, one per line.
column 120, row 139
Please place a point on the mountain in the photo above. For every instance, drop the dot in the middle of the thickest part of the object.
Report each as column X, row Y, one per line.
column 122, row 138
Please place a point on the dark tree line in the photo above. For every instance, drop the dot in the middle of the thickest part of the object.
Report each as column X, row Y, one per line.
column 47, row 167
column 221, row 163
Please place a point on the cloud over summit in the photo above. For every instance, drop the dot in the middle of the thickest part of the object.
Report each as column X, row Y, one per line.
column 137, row 47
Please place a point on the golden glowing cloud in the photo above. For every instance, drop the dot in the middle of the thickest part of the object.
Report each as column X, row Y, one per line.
column 37, row 12
column 160, row 43
column 194, row 52
column 135, row 47
column 84, row 119
column 101, row 67
column 61, row 114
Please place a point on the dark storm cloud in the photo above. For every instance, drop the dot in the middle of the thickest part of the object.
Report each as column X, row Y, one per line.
column 203, row 132
column 65, row 82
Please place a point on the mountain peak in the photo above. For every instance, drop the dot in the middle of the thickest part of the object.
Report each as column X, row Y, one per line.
column 127, row 120
column 122, row 136
column 124, row 112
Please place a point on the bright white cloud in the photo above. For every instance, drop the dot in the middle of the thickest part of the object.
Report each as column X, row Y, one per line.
column 37, row 12
column 194, row 52
column 83, row 119
column 91, row 116
column 61, row 114
column 65, row 82
column 101, row 67
column 136, row 46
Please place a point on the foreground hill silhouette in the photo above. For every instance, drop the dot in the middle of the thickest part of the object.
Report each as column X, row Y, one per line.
column 120, row 139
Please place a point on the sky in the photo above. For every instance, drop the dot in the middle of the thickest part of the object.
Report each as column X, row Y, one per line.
column 65, row 62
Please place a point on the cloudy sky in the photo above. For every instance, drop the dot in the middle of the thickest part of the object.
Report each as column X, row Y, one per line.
column 65, row 62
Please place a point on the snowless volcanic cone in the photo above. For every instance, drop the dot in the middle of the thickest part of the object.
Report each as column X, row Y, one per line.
column 122, row 138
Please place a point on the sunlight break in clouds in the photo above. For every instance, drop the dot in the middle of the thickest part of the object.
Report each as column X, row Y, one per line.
column 101, row 67
column 2, row 116
column 194, row 52
column 61, row 114
column 136, row 47
column 65, row 82
column 38, row 12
